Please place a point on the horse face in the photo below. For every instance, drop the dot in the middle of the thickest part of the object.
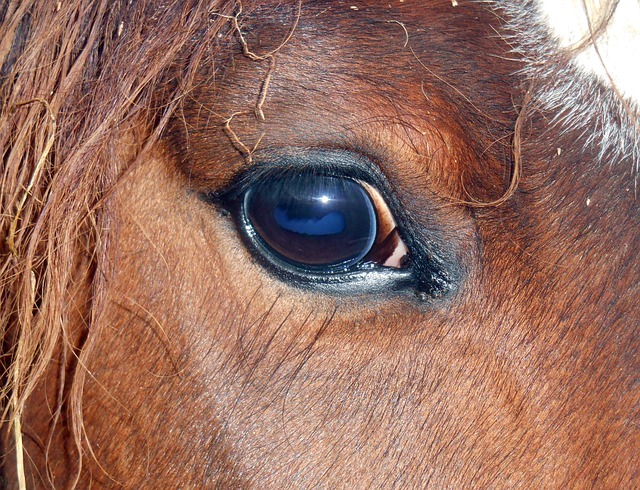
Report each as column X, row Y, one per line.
column 501, row 350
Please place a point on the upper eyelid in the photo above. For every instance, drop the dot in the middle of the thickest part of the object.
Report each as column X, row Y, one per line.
column 336, row 162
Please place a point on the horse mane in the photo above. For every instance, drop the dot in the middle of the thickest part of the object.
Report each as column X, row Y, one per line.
column 77, row 75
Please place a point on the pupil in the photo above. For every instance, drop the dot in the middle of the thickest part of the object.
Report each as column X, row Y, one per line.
column 312, row 221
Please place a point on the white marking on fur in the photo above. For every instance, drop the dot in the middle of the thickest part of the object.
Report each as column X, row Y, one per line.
column 619, row 45
column 574, row 96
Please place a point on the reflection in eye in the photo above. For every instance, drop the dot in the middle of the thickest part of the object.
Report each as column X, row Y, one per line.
column 323, row 224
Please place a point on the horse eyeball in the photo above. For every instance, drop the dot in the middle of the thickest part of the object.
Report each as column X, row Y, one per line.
column 322, row 223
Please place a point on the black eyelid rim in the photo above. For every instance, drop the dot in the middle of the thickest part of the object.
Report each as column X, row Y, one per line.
column 428, row 268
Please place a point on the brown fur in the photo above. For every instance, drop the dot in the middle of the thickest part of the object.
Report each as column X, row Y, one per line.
column 146, row 348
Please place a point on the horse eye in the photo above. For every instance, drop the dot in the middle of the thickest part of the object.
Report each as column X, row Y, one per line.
column 322, row 224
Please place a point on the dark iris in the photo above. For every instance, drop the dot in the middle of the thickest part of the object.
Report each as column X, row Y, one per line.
column 312, row 221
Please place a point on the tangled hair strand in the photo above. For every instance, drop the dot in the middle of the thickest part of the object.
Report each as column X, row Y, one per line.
column 74, row 76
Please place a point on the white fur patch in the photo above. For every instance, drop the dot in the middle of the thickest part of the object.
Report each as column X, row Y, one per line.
column 577, row 96
column 619, row 45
